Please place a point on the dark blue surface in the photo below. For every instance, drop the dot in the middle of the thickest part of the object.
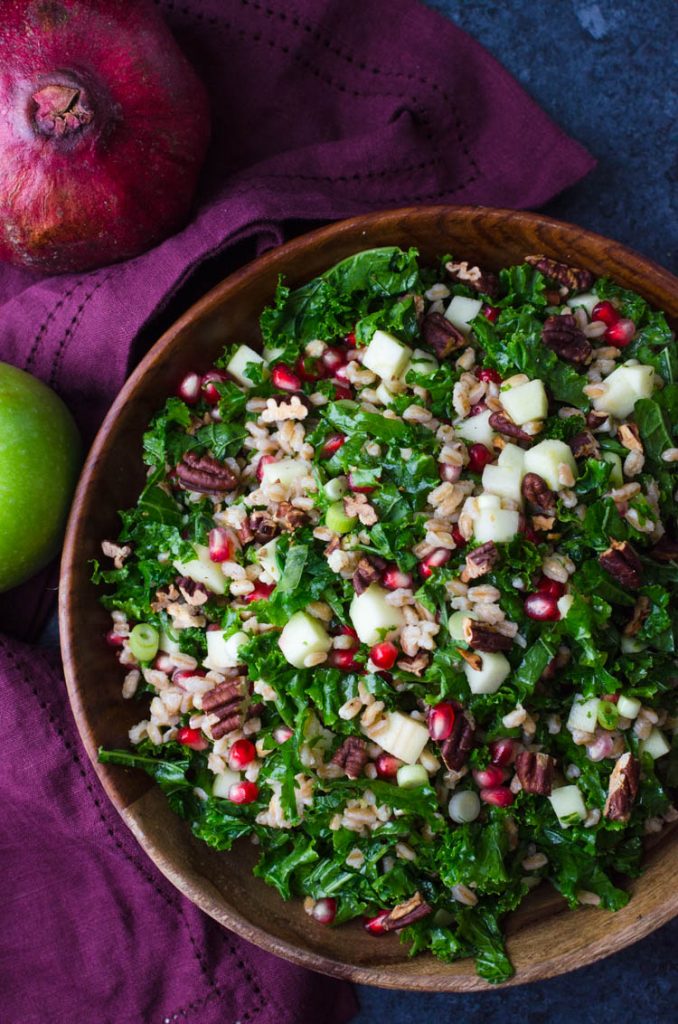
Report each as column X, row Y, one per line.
column 604, row 72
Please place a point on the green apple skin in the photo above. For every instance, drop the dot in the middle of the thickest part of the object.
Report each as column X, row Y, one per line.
column 40, row 453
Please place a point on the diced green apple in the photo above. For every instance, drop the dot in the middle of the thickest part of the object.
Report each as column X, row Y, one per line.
column 584, row 714
column 301, row 636
column 237, row 364
column 373, row 618
column 203, row 570
column 336, row 488
column 284, row 471
column 487, row 679
column 616, row 476
column 656, row 745
column 587, row 300
column 223, row 782
column 167, row 645
column 421, row 362
column 455, row 624
column 461, row 311
column 337, row 520
column 223, row 653
column 503, row 481
column 477, row 429
column 386, row 356
column 628, row 707
column 384, row 395
column 513, row 456
column 624, row 387
column 568, row 804
column 525, row 402
column 271, row 355
column 564, row 604
column 404, row 737
column 545, row 458
column 411, row 776
column 266, row 556
column 495, row 523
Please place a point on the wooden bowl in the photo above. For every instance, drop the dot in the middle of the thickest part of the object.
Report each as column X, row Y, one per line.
column 543, row 939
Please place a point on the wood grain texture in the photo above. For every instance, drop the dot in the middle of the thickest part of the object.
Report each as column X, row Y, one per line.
column 544, row 940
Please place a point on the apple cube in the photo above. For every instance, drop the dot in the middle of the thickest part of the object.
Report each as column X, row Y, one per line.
column 373, row 618
column 656, row 744
column 476, row 429
column 526, row 402
column 625, row 386
column 487, row 679
column 203, row 570
column 285, row 471
column 301, row 636
column 545, row 458
column 617, row 475
column 384, row 395
column 271, row 355
column 237, row 365
column 568, row 804
column 512, row 455
column 461, row 311
column 403, row 737
column 628, row 706
column 167, row 645
column 223, row 782
column 336, row 488
column 266, row 556
column 386, row 356
column 583, row 714
column 497, row 524
column 587, row 300
column 223, row 653
column 504, row 481
column 564, row 604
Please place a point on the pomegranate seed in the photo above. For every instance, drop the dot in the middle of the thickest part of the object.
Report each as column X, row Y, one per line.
column 490, row 777
column 324, row 910
column 114, row 639
column 192, row 738
column 491, row 313
column 189, row 388
column 458, row 537
column 605, row 312
column 621, row 334
column 332, row 359
column 552, row 587
column 341, row 375
column 351, row 339
column 394, row 579
column 434, row 561
column 477, row 409
column 503, row 751
column 342, row 392
column 441, row 721
column 265, row 460
column 282, row 734
column 478, row 457
column 486, row 373
column 209, row 391
column 601, row 747
column 384, row 655
column 359, row 488
column 344, row 660
column 242, row 753
column 283, row 378
column 498, row 796
column 350, row 631
column 332, row 445
column 375, row 925
column 243, row 792
column 221, row 545
column 387, row 766
column 612, row 698
column 449, row 473
column 163, row 663
column 530, row 534
column 261, row 592
column 180, row 676
column 308, row 369
column 542, row 607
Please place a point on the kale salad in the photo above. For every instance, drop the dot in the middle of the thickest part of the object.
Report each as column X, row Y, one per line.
column 396, row 600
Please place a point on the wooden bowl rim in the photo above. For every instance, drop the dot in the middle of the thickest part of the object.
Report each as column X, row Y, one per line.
column 386, row 976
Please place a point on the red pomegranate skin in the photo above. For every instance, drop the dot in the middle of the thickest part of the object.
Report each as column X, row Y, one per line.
column 104, row 127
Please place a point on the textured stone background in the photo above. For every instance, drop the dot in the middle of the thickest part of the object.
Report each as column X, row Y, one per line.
column 604, row 72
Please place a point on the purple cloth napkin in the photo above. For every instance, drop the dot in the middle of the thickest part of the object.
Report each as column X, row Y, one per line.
column 322, row 109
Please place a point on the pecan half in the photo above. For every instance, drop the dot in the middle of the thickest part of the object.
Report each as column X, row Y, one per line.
column 584, row 446
column 562, row 335
column 263, row 526
column 440, row 335
column 500, row 422
column 204, row 474
column 226, row 702
column 483, row 637
column 480, row 561
column 117, row 552
column 193, row 593
column 416, row 665
column 456, row 748
column 623, row 564
column 406, row 913
column 164, row 598
column 665, row 550
column 629, row 435
column 574, row 279
column 640, row 613
column 367, row 572
column 535, row 772
column 538, row 494
column 351, row 756
column 623, row 788
column 480, row 280
column 288, row 517
column 595, row 420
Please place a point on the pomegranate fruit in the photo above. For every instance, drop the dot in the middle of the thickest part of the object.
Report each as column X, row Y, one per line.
column 490, row 777
column 441, row 721
column 542, row 607
column 498, row 796
column 243, row 792
column 384, row 655
column 605, row 312
column 324, row 910
column 387, row 766
column 105, row 126
column 192, row 738
column 242, row 753
column 434, row 561
column 479, row 456
column 503, row 751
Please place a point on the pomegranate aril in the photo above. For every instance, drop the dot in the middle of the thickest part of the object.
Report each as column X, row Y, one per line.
column 497, row 796
column 349, row 631
column 434, row 561
column 332, row 359
column 351, row 339
column 308, row 369
column 265, row 460
column 344, row 660
column 375, row 925
column 341, row 392
column 282, row 734
column 486, row 373
column 458, row 537
column 387, row 766
column 189, row 388
column 324, row 910
column 340, row 374
column 191, row 738
column 359, row 488
column 261, row 592
column 220, row 543
column 242, row 753
column 449, row 473
column 491, row 313
column 209, row 382
column 490, row 777
column 541, row 607
column 479, row 456
column 384, row 655
column 441, row 721
column 243, row 792
column 503, row 751
column 621, row 334
column 114, row 639
column 394, row 579
column 332, row 444
column 180, row 676
column 163, row 663
column 478, row 408
column 284, row 379
column 605, row 312
column 552, row 587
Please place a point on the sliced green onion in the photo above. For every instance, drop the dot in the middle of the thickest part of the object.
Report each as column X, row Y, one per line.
column 144, row 641
column 608, row 715
column 412, row 775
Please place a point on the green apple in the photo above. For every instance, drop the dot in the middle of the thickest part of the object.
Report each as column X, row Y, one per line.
column 39, row 461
